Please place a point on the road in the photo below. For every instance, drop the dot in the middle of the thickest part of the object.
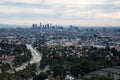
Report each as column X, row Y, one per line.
column 43, row 70
column 36, row 58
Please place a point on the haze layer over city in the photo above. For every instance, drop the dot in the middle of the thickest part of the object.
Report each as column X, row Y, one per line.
column 60, row 40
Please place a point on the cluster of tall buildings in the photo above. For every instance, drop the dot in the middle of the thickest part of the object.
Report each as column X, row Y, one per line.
column 46, row 26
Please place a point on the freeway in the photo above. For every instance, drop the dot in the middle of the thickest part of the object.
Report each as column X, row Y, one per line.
column 36, row 58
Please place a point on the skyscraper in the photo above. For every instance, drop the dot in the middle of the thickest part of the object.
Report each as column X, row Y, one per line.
column 34, row 26
column 40, row 25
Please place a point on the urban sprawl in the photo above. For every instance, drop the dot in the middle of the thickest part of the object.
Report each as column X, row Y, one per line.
column 55, row 52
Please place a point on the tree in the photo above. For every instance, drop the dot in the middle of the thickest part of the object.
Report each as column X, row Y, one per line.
column 5, row 67
column 41, row 76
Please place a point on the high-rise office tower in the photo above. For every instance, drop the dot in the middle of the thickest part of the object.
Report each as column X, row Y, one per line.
column 40, row 25
column 34, row 26
column 48, row 25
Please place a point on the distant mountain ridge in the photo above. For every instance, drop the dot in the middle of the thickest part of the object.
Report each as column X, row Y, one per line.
column 13, row 26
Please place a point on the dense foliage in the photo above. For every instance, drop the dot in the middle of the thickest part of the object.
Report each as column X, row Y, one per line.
column 5, row 67
column 28, row 72
column 12, row 49
column 78, row 60
column 19, row 51
column 22, row 58
column 41, row 76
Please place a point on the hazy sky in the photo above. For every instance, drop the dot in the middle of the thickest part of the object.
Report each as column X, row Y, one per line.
column 76, row 12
